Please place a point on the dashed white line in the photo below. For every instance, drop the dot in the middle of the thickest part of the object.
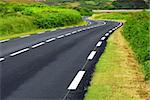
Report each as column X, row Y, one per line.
column 61, row 36
column 113, row 29
column 103, row 38
column 67, row 34
column 91, row 56
column 74, row 84
column 99, row 44
column 4, row 40
column 79, row 30
column 18, row 52
column 74, row 32
column 37, row 45
column 2, row 59
column 24, row 36
column 110, row 31
column 107, row 34
column 49, row 40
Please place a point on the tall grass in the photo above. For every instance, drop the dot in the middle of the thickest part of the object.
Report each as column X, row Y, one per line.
column 14, row 24
column 17, row 18
column 136, row 31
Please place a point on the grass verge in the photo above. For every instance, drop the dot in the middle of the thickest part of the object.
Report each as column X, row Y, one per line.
column 38, row 30
column 117, row 75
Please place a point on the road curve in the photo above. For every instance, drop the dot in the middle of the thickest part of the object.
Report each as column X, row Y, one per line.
column 43, row 66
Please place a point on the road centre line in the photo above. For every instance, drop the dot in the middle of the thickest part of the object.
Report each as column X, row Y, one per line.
column 49, row 40
column 99, row 44
column 74, row 84
column 91, row 56
column 74, row 32
column 18, row 52
column 61, row 36
column 2, row 59
column 37, row 45
column 67, row 34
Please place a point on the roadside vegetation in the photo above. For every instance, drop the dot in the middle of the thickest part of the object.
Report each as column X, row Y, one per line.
column 136, row 31
column 19, row 18
column 119, row 72
column 117, row 75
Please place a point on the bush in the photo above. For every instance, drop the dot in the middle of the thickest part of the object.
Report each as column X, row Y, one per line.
column 14, row 24
column 136, row 31
column 17, row 18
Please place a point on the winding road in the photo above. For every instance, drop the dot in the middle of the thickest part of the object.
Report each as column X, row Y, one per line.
column 52, row 65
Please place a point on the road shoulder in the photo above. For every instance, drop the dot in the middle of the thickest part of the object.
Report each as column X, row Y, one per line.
column 117, row 74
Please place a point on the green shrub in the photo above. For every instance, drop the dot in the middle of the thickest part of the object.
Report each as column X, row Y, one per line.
column 17, row 18
column 136, row 31
column 14, row 24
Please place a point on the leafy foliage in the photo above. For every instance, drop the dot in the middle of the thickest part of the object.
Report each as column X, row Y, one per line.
column 136, row 31
column 27, row 17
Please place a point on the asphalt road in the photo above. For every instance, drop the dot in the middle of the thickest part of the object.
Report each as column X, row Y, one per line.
column 43, row 66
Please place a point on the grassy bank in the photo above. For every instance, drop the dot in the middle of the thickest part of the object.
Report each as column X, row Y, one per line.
column 18, row 18
column 117, row 75
column 136, row 31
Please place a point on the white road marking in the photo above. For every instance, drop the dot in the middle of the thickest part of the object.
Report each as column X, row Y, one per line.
column 53, row 30
column 110, row 31
column 107, row 34
column 91, row 56
column 113, row 29
column 99, row 44
column 24, row 36
column 74, row 84
column 49, row 40
column 40, row 32
column 18, row 52
column 61, row 36
column 103, row 38
column 2, row 59
column 79, row 30
column 4, row 40
column 74, row 32
column 67, row 34
column 37, row 45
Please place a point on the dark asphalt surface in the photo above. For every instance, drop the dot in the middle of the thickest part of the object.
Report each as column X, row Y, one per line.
column 45, row 72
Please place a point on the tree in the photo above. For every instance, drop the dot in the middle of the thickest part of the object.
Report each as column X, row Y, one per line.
column 130, row 4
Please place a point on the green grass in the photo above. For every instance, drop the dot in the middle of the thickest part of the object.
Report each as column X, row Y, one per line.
column 136, row 31
column 15, row 35
column 18, row 18
column 117, row 75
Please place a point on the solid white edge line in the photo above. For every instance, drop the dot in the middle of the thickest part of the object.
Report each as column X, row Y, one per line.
column 61, row 36
column 103, row 38
column 99, row 43
column 91, row 56
column 24, row 36
column 4, row 40
column 2, row 59
column 40, row 32
column 49, row 40
column 37, row 45
column 18, row 52
column 74, row 84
